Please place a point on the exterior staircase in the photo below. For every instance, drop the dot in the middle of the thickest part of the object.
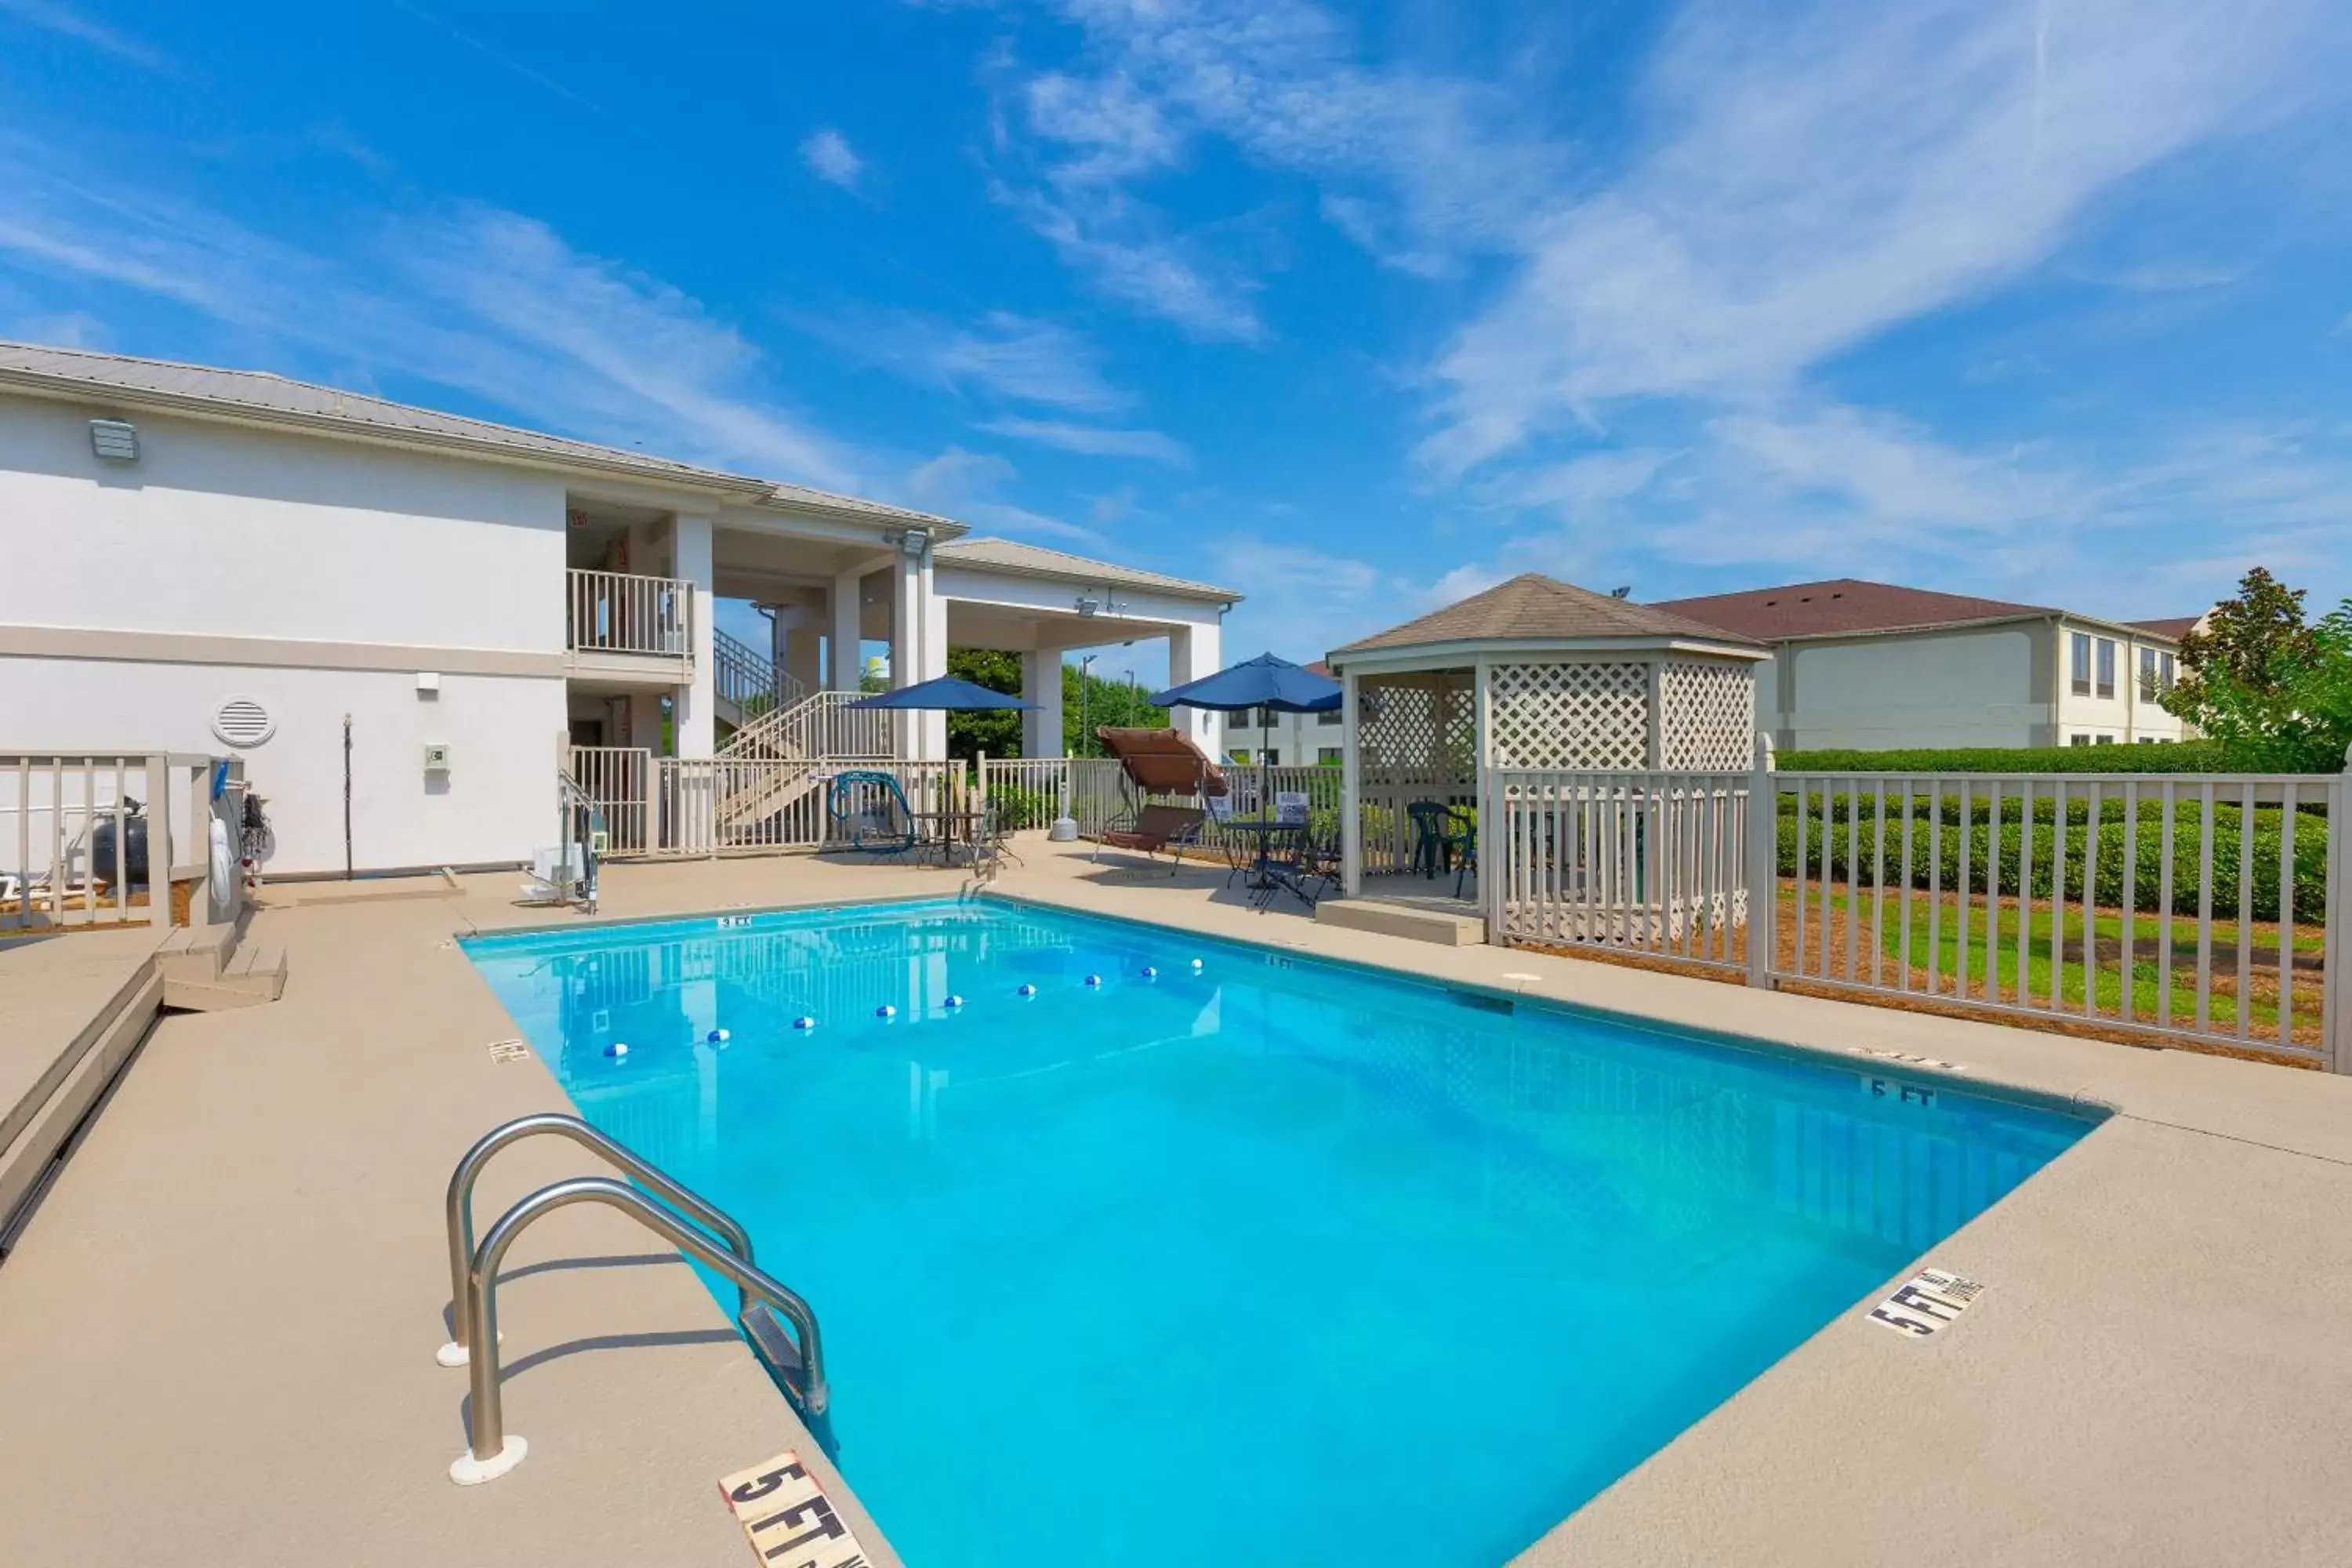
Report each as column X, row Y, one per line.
column 208, row 971
column 749, row 683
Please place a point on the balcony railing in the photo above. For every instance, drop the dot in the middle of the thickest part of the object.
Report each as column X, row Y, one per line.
column 613, row 612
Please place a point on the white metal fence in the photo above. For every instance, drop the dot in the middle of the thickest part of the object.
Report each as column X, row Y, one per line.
column 2194, row 908
column 2200, row 907
column 617, row 780
column 613, row 611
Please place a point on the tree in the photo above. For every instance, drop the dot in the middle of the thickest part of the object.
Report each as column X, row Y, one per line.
column 1105, row 702
column 2275, row 691
column 997, row 733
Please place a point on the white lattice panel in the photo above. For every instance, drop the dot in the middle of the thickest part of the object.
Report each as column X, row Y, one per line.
column 1418, row 728
column 1710, row 714
column 1582, row 715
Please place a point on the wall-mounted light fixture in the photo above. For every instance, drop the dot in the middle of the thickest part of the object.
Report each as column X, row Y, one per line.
column 1089, row 605
column 114, row 440
column 914, row 541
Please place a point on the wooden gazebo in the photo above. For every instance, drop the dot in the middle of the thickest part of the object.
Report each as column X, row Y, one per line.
column 1531, row 674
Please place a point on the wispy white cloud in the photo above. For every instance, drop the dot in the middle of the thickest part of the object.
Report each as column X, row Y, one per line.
column 1127, row 250
column 1000, row 356
column 1814, row 174
column 465, row 297
column 1419, row 165
column 1094, row 440
column 830, row 157
column 510, row 64
column 965, row 485
column 66, row 21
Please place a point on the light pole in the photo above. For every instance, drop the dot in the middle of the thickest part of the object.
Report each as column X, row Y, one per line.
column 1085, row 692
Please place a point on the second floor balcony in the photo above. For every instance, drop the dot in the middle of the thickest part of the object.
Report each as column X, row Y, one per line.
column 617, row 620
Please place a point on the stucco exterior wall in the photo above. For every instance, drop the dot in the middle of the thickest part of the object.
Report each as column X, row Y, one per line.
column 1947, row 690
column 319, row 577
column 2127, row 716
column 496, row 803
column 220, row 529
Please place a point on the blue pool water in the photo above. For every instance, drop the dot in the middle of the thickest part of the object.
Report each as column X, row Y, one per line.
column 1302, row 1263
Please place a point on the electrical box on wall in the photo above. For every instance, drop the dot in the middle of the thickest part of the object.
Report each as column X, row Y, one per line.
column 436, row 759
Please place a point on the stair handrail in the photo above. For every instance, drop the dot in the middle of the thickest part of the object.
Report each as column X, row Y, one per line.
column 457, row 1208
column 491, row 1452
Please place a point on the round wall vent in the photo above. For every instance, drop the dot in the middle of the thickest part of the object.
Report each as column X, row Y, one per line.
column 242, row 722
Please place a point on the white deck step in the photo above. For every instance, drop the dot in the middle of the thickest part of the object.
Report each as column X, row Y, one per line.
column 1445, row 927
column 249, row 976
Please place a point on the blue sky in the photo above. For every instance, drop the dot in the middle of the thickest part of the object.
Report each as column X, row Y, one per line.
column 1355, row 310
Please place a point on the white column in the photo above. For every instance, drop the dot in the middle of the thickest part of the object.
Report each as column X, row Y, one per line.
column 1041, row 682
column 1351, row 787
column 800, row 654
column 698, row 699
column 905, row 639
column 848, row 630
column 931, row 660
column 1193, row 652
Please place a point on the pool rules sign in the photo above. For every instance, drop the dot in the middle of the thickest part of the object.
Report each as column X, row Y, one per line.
column 788, row 1519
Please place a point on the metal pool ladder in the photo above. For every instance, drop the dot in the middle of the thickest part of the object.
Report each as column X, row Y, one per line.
column 491, row 1451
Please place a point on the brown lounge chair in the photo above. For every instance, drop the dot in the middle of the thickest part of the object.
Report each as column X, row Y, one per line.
column 1159, row 763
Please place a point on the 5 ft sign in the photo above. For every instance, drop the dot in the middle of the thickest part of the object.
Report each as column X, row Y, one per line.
column 787, row 1518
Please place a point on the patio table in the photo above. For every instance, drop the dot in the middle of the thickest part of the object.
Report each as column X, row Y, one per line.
column 1266, row 876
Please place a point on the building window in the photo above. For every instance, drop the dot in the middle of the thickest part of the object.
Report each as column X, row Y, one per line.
column 2078, row 739
column 2079, row 652
column 1327, row 757
column 2164, row 672
column 1330, row 718
column 2106, row 740
column 1274, row 756
column 2107, row 666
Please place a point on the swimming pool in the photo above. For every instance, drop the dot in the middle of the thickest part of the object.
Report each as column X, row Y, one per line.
column 1309, row 1263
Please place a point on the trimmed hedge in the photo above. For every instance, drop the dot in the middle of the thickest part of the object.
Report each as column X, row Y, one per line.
column 2178, row 757
column 2188, row 805
column 2310, row 861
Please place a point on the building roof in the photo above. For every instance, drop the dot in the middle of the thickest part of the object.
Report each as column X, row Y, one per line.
column 2173, row 626
column 1036, row 560
column 264, row 398
column 1532, row 607
column 1850, row 606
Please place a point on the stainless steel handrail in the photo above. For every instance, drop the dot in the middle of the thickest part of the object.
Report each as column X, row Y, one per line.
column 486, row 1455
column 575, row 804
column 458, row 1206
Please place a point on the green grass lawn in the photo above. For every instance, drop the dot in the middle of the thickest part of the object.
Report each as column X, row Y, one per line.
column 1945, row 957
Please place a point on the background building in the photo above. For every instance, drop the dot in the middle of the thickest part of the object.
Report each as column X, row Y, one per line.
column 431, row 615
column 1875, row 665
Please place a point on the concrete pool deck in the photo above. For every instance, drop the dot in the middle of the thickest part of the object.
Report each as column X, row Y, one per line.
column 218, row 1331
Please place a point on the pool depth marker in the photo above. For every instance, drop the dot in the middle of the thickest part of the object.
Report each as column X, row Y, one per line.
column 786, row 1515
column 1924, row 1304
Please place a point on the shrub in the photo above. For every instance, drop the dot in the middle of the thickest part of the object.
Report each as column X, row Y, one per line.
column 2310, row 871
column 2181, row 757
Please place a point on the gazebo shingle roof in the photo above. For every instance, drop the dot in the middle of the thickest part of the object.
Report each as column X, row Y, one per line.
column 1532, row 607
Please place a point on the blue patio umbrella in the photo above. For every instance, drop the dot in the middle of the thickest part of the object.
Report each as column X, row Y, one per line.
column 1264, row 681
column 951, row 692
